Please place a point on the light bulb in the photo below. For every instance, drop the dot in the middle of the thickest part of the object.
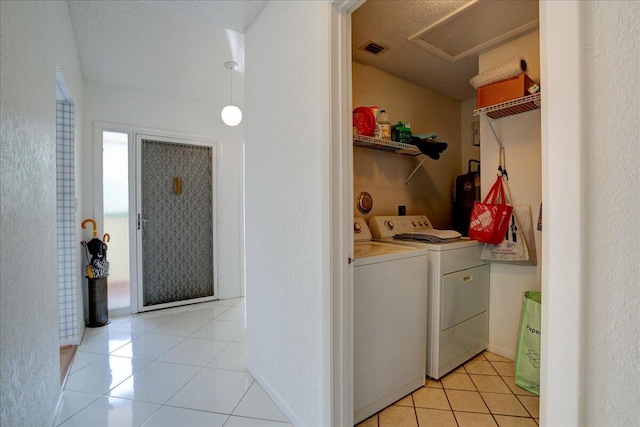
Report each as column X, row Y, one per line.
column 231, row 115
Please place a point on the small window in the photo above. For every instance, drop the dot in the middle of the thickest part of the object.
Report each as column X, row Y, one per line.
column 115, row 181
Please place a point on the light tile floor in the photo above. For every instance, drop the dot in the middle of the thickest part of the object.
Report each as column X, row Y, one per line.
column 481, row 393
column 181, row 366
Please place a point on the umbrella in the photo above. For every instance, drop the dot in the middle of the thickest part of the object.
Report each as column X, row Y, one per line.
column 98, row 267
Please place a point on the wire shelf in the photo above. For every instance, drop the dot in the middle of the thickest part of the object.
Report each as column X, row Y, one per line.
column 385, row 145
column 509, row 108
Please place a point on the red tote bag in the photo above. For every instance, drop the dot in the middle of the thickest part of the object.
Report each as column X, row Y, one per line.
column 490, row 219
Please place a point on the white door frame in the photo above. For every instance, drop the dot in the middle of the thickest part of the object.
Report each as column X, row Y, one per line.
column 341, row 357
column 137, row 228
column 97, row 204
column 560, row 379
column 563, row 198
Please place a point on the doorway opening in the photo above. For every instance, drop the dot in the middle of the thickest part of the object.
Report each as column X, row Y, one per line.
column 451, row 118
column 156, row 197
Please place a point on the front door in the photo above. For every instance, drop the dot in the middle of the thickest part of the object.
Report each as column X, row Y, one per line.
column 176, row 221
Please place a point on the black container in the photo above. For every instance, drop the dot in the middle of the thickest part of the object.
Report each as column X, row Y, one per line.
column 467, row 192
column 98, row 308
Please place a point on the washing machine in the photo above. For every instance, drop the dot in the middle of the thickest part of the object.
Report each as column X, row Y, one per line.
column 458, row 289
column 389, row 321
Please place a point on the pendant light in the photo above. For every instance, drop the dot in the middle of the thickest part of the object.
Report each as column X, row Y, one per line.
column 231, row 115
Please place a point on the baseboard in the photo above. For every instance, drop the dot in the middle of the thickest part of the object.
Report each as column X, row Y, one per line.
column 509, row 354
column 56, row 410
column 120, row 312
column 274, row 395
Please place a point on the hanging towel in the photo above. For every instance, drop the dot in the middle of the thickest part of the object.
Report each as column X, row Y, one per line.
column 429, row 148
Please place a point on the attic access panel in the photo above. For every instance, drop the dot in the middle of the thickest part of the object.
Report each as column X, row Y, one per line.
column 477, row 26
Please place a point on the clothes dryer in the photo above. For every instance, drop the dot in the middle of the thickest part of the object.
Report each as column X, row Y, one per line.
column 458, row 291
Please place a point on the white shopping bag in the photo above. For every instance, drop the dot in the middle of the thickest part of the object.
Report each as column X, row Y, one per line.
column 519, row 245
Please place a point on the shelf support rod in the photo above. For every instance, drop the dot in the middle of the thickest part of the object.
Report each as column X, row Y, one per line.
column 498, row 139
column 406, row 182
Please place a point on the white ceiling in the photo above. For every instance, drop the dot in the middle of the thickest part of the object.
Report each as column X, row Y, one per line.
column 394, row 22
column 236, row 15
column 154, row 45
column 174, row 47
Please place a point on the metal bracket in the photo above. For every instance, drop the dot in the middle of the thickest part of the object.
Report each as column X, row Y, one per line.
column 406, row 182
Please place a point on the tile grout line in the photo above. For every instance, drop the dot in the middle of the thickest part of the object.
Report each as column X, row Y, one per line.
column 195, row 375
column 525, row 406
column 84, row 407
column 474, row 385
column 444, row 390
column 110, row 354
column 415, row 410
column 466, row 372
column 499, row 375
column 205, row 367
column 144, row 333
column 243, row 395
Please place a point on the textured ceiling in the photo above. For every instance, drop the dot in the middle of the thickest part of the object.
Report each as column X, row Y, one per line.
column 175, row 47
column 153, row 45
column 235, row 15
column 392, row 23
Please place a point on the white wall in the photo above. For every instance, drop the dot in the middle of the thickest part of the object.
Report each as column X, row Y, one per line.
column 467, row 149
column 287, row 207
column 35, row 36
column 521, row 139
column 611, row 377
column 591, row 365
column 383, row 174
column 114, row 104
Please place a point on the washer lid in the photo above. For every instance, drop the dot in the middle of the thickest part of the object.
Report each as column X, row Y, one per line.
column 370, row 249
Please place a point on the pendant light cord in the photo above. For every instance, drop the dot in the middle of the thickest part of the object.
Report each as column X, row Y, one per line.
column 231, row 84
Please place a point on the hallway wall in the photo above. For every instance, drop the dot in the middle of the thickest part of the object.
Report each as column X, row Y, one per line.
column 34, row 37
column 611, row 162
column 288, row 208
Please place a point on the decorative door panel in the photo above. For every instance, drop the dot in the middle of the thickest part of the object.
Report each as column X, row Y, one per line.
column 177, row 222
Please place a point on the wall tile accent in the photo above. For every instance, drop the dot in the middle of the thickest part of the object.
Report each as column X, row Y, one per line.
column 66, row 219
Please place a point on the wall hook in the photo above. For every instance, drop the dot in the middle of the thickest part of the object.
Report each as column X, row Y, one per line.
column 502, row 162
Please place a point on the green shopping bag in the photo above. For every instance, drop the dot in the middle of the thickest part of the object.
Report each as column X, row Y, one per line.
column 527, row 363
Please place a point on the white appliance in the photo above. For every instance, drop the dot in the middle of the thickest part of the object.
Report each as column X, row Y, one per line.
column 458, row 295
column 390, row 322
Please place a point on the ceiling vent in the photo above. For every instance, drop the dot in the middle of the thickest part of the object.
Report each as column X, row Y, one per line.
column 476, row 27
column 374, row 47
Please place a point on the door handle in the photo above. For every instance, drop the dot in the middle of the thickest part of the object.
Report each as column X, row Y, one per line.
column 141, row 222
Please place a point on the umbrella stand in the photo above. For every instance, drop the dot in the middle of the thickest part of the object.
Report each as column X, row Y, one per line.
column 98, row 303
column 96, row 271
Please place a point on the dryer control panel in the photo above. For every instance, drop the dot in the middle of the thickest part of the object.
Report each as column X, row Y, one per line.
column 385, row 227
